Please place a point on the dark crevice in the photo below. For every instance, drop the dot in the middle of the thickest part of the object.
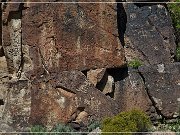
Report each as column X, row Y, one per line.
column 1, row 25
column 152, row 100
column 22, row 57
column 13, row 14
column 2, row 51
column 121, row 22
column 118, row 73
column 80, row 109
column 66, row 89
column 1, row 102
column 110, row 94
column 85, row 72
column 102, row 83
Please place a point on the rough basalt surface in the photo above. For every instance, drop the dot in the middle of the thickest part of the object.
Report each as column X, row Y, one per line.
column 62, row 96
column 78, row 36
column 66, row 63
column 149, row 34
column 163, row 85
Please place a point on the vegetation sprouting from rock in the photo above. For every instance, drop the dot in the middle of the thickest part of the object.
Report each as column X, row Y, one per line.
column 131, row 121
column 178, row 52
column 57, row 129
column 38, row 129
column 135, row 63
column 93, row 125
column 175, row 16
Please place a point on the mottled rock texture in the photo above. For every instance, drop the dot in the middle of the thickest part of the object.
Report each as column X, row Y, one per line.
column 67, row 63
column 78, row 36
column 64, row 94
column 42, row 45
column 149, row 33
column 163, row 85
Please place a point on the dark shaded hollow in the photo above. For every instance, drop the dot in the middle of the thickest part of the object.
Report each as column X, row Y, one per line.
column 121, row 22
column 118, row 74
column 1, row 102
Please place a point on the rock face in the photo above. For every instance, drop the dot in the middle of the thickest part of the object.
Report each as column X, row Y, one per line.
column 43, row 45
column 65, row 94
column 133, row 92
column 163, row 84
column 66, row 63
column 78, row 35
column 149, row 34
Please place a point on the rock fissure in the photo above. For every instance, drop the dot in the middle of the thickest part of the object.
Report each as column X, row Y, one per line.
column 152, row 100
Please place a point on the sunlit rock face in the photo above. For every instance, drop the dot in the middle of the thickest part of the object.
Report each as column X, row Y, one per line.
column 66, row 63
column 72, row 36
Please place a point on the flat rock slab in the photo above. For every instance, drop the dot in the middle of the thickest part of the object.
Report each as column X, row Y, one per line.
column 72, row 36
column 163, row 83
column 149, row 32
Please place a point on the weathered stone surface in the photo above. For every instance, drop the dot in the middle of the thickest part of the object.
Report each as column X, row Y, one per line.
column 5, row 128
column 18, row 105
column 149, row 33
column 82, row 117
column 36, row 38
column 62, row 95
column 132, row 94
column 3, row 84
column 163, row 83
column 109, row 86
column 40, row 41
column 12, row 37
column 72, row 36
column 106, row 83
column 95, row 76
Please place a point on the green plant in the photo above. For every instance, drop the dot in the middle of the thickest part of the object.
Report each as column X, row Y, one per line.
column 178, row 53
column 175, row 127
column 135, row 63
column 38, row 130
column 62, row 128
column 93, row 125
column 131, row 121
column 175, row 13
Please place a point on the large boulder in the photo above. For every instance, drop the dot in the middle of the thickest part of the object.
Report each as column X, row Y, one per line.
column 149, row 33
column 163, row 85
column 130, row 93
column 65, row 96
column 72, row 36
column 133, row 92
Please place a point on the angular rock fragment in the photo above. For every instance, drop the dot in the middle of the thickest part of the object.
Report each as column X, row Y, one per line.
column 95, row 76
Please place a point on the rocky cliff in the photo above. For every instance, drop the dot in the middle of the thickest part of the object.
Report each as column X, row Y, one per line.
column 68, row 62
